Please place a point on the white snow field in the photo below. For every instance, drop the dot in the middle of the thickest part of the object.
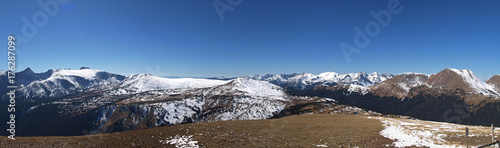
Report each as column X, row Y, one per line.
column 137, row 83
column 407, row 132
column 181, row 141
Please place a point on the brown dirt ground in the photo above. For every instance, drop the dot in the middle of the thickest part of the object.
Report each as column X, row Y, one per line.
column 291, row 131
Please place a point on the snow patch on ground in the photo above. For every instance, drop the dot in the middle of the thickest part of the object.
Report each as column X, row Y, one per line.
column 176, row 112
column 406, row 133
column 402, row 137
column 181, row 141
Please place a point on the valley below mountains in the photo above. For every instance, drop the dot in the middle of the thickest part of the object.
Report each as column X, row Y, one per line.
column 87, row 101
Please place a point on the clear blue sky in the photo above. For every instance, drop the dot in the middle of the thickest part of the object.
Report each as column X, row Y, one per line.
column 187, row 37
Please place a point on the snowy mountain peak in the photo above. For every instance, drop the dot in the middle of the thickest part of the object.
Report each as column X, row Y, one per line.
column 308, row 81
column 328, row 75
column 84, row 73
column 474, row 82
column 64, row 81
column 414, row 73
column 137, row 83
column 376, row 77
column 465, row 73
column 26, row 73
column 464, row 79
column 137, row 76
column 448, row 79
column 250, row 87
column 27, row 70
column 61, row 69
column 255, row 87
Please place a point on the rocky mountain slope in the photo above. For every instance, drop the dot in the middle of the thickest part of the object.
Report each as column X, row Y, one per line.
column 495, row 81
column 106, row 111
column 402, row 85
column 461, row 79
column 88, row 101
column 61, row 82
column 308, row 81
column 399, row 85
column 64, row 82
column 137, row 83
column 451, row 95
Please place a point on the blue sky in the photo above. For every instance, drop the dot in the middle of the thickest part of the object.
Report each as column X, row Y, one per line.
column 187, row 37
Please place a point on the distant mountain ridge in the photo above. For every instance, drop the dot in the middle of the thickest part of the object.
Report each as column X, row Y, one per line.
column 63, row 82
column 137, row 83
column 451, row 95
column 27, row 76
column 102, row 111
column 308, row 81
column 448, row 79
column 495, row 81
column 96, row 101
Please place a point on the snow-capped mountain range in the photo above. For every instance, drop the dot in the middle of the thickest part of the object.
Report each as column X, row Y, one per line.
column 448, row 79
column 308, row 81
column 142, row 100
column 238, row 99
column 63, row 82
column 137, row 83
